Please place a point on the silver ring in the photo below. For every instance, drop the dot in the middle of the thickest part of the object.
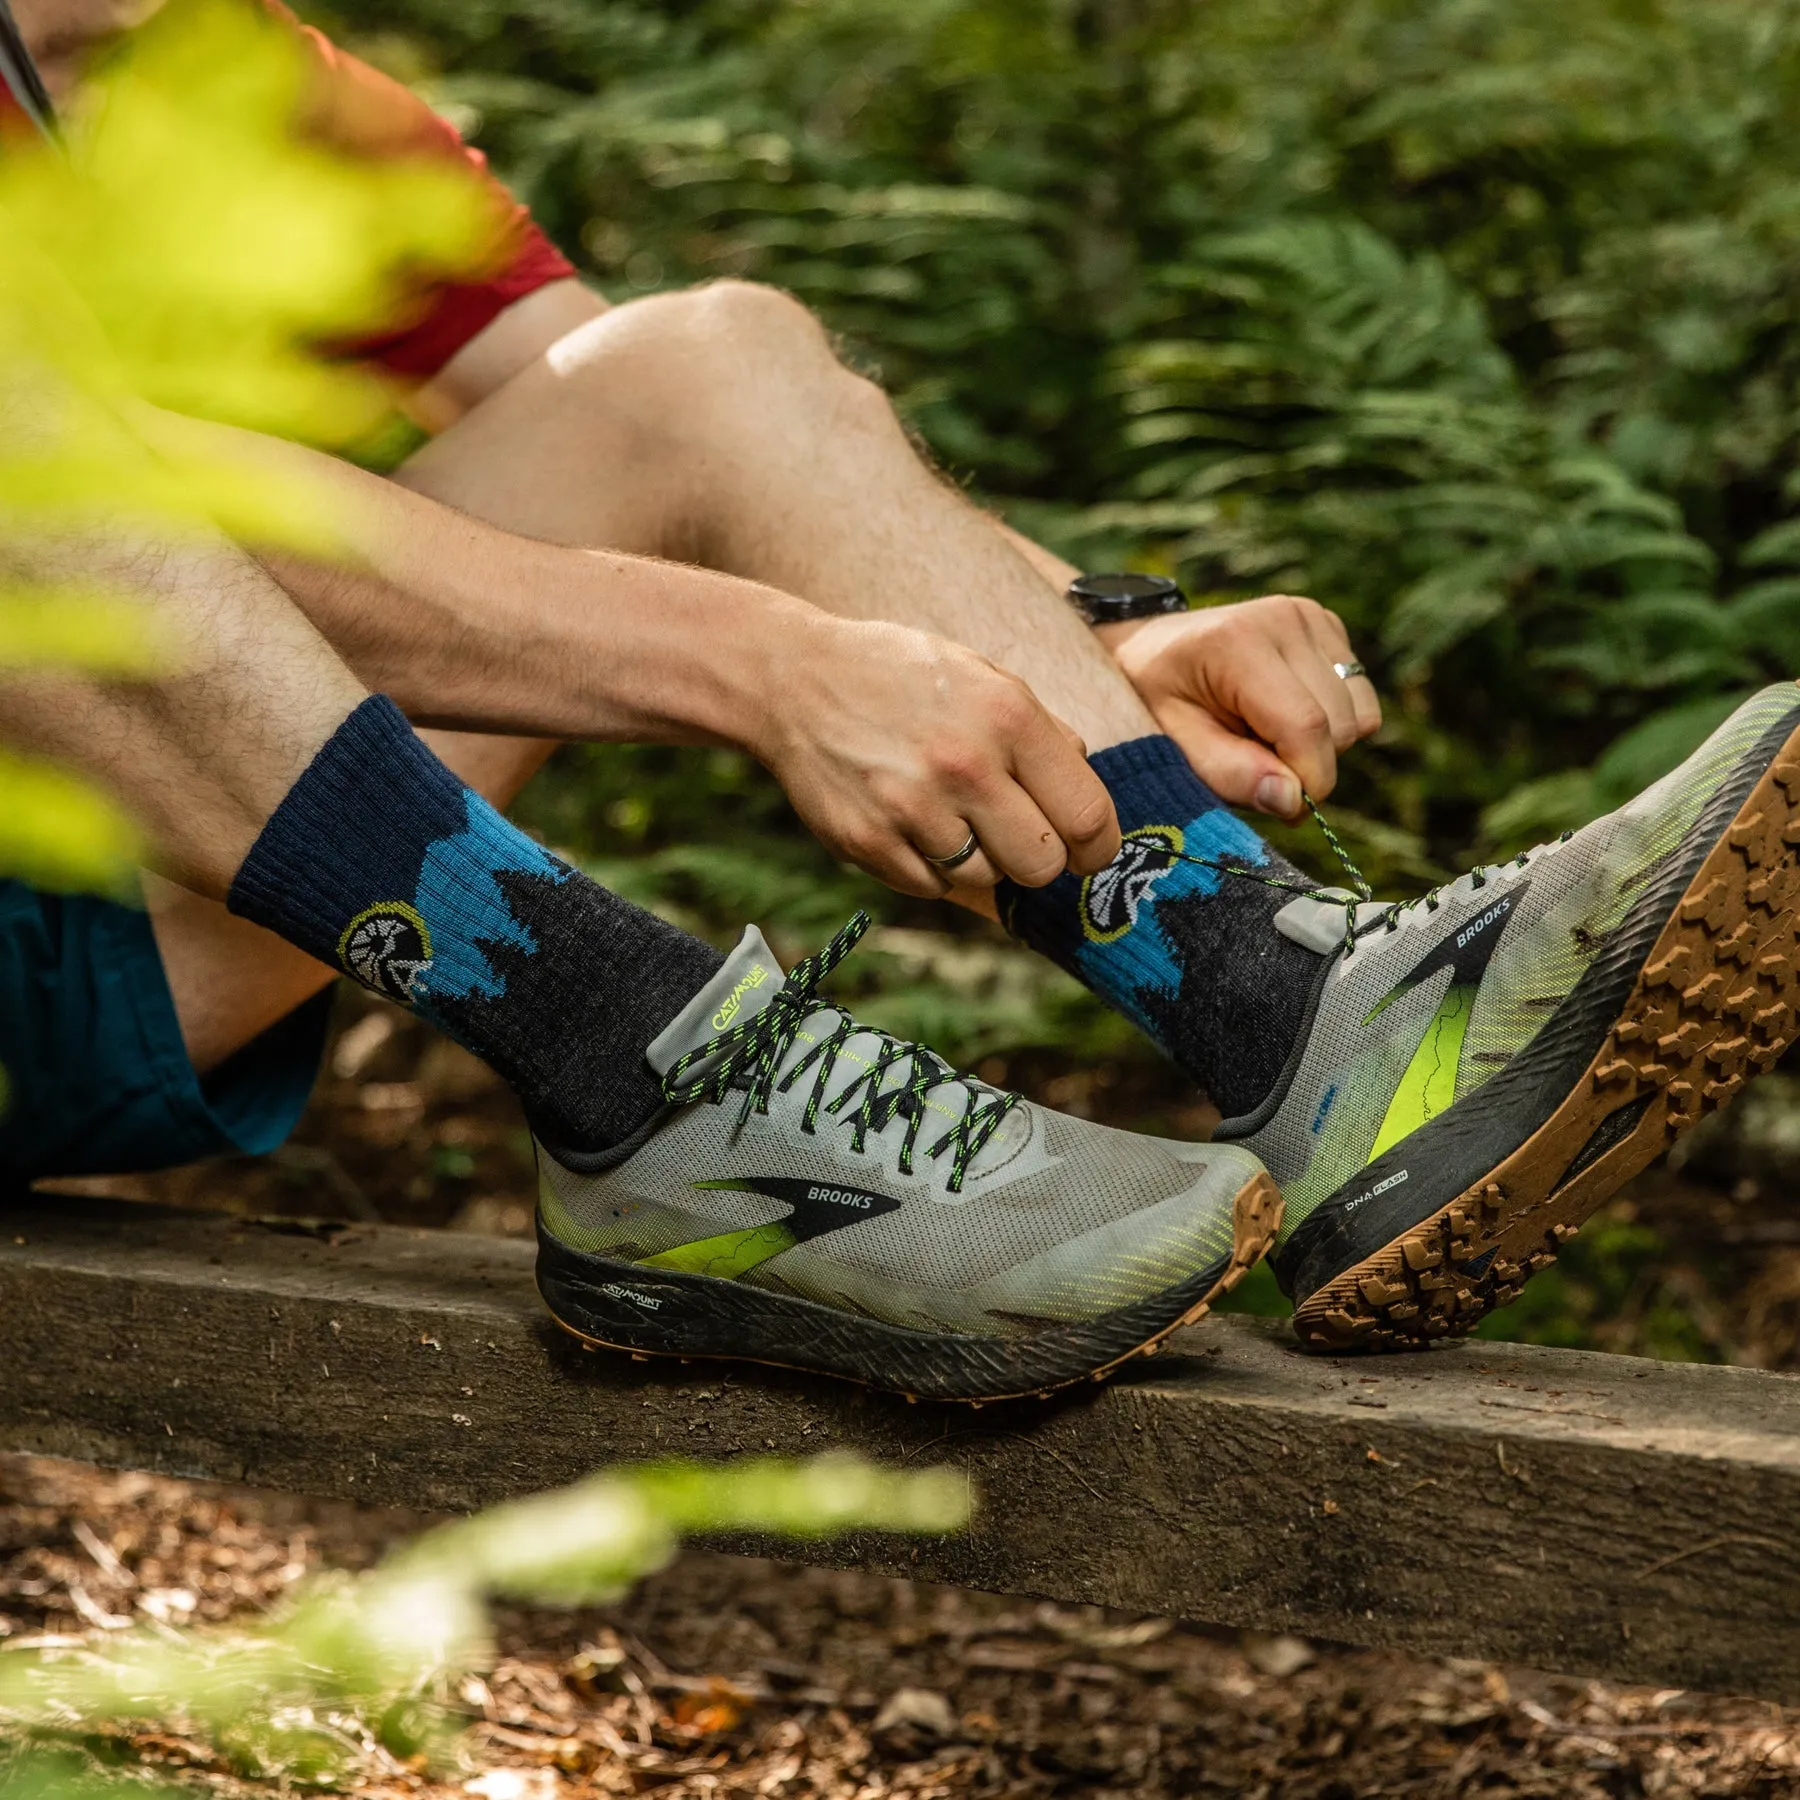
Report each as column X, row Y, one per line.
column 956, row 858
column 1343, row 671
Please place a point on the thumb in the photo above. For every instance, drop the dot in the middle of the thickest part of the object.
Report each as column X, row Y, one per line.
column 1242, row 771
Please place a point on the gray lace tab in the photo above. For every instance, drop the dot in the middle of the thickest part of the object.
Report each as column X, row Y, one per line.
column 1316, row 921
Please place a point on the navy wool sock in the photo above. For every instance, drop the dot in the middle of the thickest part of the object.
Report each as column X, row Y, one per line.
column 380, row 862
column 1190, row 953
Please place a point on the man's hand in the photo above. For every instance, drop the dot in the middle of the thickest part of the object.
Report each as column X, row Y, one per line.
column 1249, row 693
column 894, row 745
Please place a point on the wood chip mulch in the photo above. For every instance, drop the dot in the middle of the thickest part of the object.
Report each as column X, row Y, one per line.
column 724, row 1677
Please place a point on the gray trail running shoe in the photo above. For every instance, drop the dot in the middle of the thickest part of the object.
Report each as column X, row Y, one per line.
column 824, row 1196
column 1486, row 1065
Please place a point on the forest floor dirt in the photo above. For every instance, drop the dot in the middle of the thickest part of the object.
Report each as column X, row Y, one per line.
column 723, row 1678
column 729, row 1677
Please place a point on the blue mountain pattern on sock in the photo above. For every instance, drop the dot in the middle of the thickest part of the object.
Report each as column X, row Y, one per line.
column 381, row 862
column 1189, row 953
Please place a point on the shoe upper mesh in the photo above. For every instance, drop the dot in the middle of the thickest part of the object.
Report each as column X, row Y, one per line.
column 1019, row 1226
column 1570, row 899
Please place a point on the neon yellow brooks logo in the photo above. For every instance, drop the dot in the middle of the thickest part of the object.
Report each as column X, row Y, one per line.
column 735, row 999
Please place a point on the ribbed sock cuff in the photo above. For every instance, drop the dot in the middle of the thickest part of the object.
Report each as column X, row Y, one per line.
column 1151, row 765
column 354, row 825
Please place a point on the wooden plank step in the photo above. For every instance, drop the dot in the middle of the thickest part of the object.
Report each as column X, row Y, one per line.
column 1594, row 1514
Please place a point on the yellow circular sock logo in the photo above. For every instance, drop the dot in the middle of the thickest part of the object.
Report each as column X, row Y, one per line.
column 387, row 947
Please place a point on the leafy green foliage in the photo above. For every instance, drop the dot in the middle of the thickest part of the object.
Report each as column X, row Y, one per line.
column 1471, row 317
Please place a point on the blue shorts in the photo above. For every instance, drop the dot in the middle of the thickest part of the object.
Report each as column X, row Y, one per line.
column 97, row 1079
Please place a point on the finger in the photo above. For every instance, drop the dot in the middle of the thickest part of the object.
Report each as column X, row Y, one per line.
column 887, row 856
column 1071, row 736
column 1284, row 711
column 1051, row 766
column 1328, row 634
column 1324, row 627
column 976, row 871
column 907, row 872
column 1367, row 703
column 1327, row 687
column 1313, row 651
column 1241, row 770
column 1016, row 837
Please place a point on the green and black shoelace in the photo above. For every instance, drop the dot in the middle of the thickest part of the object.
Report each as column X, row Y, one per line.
column 750, row 1054
column 1388, row 918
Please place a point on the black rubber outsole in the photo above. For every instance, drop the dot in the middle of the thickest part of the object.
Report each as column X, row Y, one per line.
column 654, row 1312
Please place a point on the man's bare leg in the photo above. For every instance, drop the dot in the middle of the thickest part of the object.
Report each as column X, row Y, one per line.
column 204, row 755
column 255, row 676
column 716, row 426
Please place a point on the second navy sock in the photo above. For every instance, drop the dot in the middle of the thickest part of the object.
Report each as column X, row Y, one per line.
column 1190, row 953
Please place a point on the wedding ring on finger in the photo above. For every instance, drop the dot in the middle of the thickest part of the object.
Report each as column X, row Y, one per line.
column 956, row 858
column 1343, row 671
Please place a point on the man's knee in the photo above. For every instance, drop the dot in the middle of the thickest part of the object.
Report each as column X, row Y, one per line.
column 749, row 316
column 723, row 353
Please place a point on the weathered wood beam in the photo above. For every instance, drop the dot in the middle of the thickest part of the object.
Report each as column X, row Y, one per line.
column 1594, row 1514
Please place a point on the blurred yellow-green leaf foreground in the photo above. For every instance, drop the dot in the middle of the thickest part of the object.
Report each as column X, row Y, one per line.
column 181, row 246
column 387, row 1648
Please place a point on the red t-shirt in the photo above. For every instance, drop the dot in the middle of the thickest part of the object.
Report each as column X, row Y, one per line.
column 357, row 109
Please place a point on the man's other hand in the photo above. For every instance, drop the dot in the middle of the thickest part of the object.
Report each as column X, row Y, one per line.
column 894, row 745
column 1249, row 693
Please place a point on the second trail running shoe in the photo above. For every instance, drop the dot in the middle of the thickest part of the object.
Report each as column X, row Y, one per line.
column 823, row 1196
column 1486, row 1065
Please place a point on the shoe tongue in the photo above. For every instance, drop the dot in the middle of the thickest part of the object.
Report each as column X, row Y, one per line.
column 749, row 980
column 746, row 984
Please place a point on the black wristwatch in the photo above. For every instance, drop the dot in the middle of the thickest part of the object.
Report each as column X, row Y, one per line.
column 1112, row 599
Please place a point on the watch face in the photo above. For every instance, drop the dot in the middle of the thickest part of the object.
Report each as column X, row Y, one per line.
column 1109, row 598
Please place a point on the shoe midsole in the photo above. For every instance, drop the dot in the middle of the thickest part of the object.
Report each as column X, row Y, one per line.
column 662, row 1312
column 1440, row 1161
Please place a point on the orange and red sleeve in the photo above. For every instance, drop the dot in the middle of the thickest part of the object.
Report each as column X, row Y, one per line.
column 358, row 110
column 361, row 112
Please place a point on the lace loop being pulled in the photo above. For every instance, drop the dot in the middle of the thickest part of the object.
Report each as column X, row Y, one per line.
column 749, row 1055
column 1362, row 895
column 1389, row 915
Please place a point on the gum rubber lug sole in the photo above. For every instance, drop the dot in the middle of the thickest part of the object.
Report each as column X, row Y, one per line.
column 614, row 1305
column 1713, row 1004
